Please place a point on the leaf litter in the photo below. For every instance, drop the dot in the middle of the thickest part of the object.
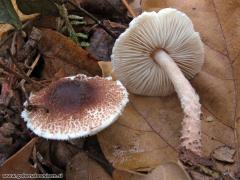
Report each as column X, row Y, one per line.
column 143, row 143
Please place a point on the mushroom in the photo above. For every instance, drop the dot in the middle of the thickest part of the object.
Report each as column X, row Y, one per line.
column 155, row 56
column 77, row 106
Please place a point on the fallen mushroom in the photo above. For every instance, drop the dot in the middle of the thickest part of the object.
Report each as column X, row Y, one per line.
column 153, row 56
column 77, row 106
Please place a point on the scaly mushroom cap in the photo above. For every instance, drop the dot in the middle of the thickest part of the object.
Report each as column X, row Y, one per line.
column 132, row 56
column 78, row 106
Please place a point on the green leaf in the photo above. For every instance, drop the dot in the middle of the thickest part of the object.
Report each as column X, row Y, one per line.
column 75, row 17
column 84, row 44
column 82, row 35
column 78, row 22
column 8, row 14
column 44, row 7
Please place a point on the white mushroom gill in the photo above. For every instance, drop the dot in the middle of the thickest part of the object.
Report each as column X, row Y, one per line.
column 155, row 56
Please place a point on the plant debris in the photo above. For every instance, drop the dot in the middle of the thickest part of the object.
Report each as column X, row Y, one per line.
column 224, row 154
column 38, row 46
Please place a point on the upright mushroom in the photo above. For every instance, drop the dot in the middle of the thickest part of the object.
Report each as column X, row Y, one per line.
column 157, row 54
column 77, row 106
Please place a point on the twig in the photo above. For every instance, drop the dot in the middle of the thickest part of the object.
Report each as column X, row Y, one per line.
column 30, row 45
column 18, row 75
column 129, row 8
column 9, row 36
column 25, row 93
column 30, row 57
column 13, row 44
column 31, row 69
column 31, row 107
column 19, row 68
column 39, row 159
column 93, row 18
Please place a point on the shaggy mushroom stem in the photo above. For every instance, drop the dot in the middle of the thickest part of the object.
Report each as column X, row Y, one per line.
column 191, row 124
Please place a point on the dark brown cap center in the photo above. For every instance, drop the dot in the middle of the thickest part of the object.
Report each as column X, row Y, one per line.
column 70, row 95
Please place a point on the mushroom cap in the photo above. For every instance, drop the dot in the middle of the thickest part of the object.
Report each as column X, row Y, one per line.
column 132, row 56
column 78, row 106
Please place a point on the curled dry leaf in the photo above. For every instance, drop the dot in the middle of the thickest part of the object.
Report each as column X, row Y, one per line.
column 82, row 167
column 64, row 57
column 224, row 153
column 168, row 171
column 147, row 133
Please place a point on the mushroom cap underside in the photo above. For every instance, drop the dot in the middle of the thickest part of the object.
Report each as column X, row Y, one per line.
column 169, row 30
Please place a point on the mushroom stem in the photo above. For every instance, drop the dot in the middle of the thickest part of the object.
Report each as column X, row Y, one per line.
column 191, row 124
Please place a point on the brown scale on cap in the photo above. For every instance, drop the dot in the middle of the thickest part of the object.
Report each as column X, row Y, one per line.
column 77, row 106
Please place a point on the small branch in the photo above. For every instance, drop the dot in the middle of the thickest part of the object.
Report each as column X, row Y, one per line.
column 94, row 18
column 19, row 68
column 18, row 75
column 13, row 44
column 25, row 93
column 129, row 8
column 31, row 107
column 30, row 45
column 31, row 69
column 9, row 36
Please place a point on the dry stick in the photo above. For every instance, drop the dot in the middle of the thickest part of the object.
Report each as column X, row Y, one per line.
column 129, row 8
column 94, row 18
column 18, row 75
column 22, row 82
column 13, row 44
column 9, row 36
column 25, row 93
column 31, row 69
column 19, row 68
column 29, row 58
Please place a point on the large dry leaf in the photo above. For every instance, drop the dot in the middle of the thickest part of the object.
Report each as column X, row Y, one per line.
column 82, row 167
column 147, row 133
column 19, row 162
column 63, row 57
column 168, row 171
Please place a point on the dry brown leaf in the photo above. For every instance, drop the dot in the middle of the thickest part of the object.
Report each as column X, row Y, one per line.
column 106, row 8
column 62, row 57
column 19, row 162
column 101, row 42
column 82, row 167
column 136, row 6
column 168, row 171
column 147, row 133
